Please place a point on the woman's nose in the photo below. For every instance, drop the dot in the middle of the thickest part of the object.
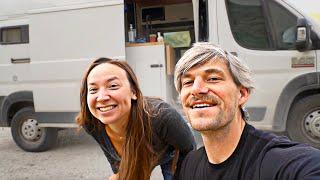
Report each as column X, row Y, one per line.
column 199, row 87
column 103, row 95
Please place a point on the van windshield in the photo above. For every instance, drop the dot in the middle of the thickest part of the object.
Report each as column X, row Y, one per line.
column 310, row 8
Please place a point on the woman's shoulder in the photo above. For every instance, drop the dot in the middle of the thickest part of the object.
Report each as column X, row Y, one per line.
column 91, row 130
column 158, row 107
column 155, row 102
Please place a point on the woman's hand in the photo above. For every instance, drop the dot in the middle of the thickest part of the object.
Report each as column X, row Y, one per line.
column 114, row 177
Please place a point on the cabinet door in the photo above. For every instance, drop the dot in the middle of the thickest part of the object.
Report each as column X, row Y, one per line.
column 148, row 63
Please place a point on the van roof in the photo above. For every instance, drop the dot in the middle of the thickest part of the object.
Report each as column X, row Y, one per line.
column 16, row 8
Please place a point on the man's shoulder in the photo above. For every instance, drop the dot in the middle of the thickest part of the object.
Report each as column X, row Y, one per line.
column 290, row 159
column 283, row 151
column 264, row 136
column 280, row 147
column 281, row 157
column 265, row 140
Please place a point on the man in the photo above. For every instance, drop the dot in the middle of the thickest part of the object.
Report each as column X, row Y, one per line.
column 214, row 85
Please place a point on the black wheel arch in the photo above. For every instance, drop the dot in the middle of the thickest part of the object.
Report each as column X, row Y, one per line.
column 301, row 86
column 13, row 103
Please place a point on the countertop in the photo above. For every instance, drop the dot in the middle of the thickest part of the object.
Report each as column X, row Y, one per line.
column 144, row 44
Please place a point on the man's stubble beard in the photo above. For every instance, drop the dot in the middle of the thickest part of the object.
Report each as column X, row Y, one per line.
column 221, row 121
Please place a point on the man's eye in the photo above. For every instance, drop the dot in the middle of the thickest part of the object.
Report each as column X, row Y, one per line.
column 186, row 83
column 212, row 79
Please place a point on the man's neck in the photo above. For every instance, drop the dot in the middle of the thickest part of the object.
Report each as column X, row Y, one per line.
column 220, row 144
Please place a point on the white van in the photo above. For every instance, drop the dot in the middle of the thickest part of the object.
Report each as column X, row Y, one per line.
column 46, row 46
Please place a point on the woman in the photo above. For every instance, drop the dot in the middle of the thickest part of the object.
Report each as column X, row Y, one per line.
column 135, row 133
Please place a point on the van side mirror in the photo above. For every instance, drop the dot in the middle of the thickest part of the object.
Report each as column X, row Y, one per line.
column 303, row 41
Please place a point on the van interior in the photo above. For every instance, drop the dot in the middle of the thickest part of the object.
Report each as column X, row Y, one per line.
column 164, row 16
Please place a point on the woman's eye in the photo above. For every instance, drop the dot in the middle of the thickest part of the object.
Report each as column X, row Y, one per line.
column 114, row 86
column 92, row 90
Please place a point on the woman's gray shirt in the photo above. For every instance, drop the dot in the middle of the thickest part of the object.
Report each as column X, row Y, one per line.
column 170, row 132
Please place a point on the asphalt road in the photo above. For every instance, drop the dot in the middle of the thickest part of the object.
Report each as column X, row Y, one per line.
column 76, row 156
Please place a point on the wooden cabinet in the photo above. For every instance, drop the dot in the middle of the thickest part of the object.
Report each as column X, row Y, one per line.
column 145, row 3
column 167, row 2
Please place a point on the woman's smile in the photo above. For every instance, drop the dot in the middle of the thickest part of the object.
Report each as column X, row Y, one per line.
column 107, row 108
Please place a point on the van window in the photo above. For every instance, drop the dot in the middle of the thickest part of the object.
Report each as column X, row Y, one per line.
column 14, row 34
column 248, row 24
column 284, row 26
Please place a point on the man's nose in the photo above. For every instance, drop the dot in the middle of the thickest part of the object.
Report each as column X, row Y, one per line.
column 103, row 95
column 199, row 86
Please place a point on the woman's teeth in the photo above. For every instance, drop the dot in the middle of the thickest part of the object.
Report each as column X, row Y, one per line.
column 108, row 108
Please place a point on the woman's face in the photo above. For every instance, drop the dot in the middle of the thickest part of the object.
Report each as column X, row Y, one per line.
column 109, row 94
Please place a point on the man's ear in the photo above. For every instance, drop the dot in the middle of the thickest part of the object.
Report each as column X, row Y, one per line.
column 244, row 95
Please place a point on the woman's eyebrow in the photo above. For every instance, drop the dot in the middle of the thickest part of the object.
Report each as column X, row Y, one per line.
column 108, row 80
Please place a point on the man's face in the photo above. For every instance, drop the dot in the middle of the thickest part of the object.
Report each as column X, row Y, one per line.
column 209, row 96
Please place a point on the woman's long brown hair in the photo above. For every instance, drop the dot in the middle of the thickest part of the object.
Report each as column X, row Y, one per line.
column 138, row 157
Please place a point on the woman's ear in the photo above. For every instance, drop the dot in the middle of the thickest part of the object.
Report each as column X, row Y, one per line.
column 134, row 96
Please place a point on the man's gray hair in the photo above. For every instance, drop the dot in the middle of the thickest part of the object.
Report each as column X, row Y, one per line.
column 203, row 52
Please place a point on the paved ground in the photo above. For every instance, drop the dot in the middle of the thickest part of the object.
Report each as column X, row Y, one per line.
column 76, row 156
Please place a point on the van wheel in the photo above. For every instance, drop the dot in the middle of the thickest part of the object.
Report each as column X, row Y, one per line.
column 28, row 135
column 303, row 123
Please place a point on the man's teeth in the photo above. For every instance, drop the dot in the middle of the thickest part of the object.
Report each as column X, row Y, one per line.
column 201, row 106
column 108, row 108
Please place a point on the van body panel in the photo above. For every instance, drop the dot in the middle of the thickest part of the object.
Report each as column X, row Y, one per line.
column 19, row 50
column 303, row 83
column 63, row 41
column 75, row 34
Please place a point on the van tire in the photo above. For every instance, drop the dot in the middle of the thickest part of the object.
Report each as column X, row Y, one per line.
column 28, row 135
column 303, row 124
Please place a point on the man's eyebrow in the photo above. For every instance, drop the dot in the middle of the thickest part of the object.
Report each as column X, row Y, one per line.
column 207, row 71
column 213, row 71
column 186, row 75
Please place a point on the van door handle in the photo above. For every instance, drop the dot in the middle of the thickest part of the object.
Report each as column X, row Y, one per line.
column 156, row 65
column 20, row 60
